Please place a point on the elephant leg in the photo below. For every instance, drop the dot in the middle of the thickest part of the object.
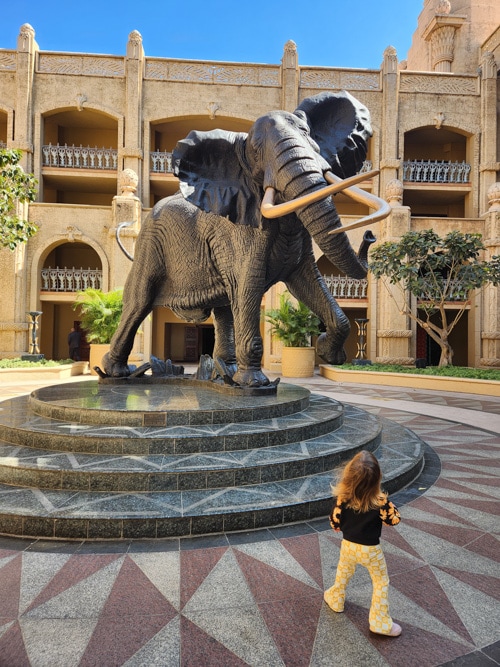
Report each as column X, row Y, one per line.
column 224, row 347
column 307, row 285
column 139, row 296
column 249, row 345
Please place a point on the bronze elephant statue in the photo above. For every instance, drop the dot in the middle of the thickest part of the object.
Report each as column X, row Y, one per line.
column 243, row 220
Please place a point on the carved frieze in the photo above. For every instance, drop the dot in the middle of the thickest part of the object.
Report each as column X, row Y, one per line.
column 394, row 333
column 77, row 64
column 451, row 84
column 335, row 79
column 8, row 60
column 212, row 73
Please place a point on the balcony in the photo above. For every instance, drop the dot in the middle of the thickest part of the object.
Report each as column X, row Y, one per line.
column 436, row 171
column 79, row 157
column 70, row 280
column 342, row 287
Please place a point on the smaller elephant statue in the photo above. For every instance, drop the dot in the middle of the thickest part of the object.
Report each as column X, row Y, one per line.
column 244, row 218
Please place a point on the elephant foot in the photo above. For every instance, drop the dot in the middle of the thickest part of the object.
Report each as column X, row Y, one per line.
column 251, row 378
column 330, row 353
column 115, row 369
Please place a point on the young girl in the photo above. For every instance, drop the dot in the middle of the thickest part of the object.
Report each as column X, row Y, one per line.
column 359, row 510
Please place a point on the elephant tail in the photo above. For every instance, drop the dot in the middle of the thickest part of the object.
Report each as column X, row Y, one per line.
column 119, row 241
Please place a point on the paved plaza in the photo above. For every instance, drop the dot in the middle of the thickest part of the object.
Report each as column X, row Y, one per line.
column 256, row 598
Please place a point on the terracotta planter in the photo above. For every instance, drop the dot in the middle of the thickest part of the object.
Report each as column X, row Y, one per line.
column 297, row 362
column 97, row 352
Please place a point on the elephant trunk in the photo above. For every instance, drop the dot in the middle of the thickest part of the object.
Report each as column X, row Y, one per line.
column 319, row 219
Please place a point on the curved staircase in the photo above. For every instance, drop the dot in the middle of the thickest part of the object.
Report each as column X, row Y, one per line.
column 133, row 461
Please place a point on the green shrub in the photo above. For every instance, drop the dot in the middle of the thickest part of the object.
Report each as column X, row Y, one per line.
column 100, row 313
column 444, row 371
column 291, row 324
column 19, row 363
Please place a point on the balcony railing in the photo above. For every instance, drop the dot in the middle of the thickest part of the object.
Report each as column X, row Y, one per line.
column 79, row 157
column 70, row 280
column 342, row 287
column 435, row 171
column 161, row 163
column 456, row 291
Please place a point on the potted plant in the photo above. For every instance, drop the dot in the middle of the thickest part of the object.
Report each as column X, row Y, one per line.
column 294, row 325
column 100, row 314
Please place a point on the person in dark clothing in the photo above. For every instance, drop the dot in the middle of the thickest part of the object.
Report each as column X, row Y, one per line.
column 359, row 510
column 74, row 340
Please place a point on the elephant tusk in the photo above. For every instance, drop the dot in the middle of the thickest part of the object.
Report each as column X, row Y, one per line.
column 382, row 207
column 270, row 210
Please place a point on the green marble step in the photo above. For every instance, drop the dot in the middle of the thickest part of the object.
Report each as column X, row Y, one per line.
column 62, row 514
column 47, row 469
column 20, row 426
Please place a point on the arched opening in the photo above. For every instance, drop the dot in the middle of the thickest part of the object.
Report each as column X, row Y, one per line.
column 79, row 157
column 66, row 269
column 436, row 173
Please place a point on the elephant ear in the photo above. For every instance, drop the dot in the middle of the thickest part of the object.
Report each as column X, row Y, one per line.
column 341, row 127
column 211, row 169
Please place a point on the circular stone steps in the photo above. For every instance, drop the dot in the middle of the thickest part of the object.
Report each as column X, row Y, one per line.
column 117, row 480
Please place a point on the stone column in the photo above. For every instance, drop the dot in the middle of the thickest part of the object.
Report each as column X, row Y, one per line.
column 132, row 151
column 13, row 317
column 389, row 150
column 489, row 164
column 25, row 71
column 394, row 335
column 490, row 324
column 13, row 311
column 290, row 77
column 126, row 210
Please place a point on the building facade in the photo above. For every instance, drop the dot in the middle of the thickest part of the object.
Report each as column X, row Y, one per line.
column 98, row 131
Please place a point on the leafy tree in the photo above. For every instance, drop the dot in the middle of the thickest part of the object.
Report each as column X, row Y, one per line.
column 436, row 271
column 15, row 186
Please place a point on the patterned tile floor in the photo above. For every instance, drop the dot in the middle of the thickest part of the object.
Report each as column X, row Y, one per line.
column 256, row 598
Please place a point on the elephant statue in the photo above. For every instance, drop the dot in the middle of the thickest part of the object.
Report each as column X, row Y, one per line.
column 243, row 220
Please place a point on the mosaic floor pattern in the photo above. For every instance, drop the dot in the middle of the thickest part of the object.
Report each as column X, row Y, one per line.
column 256, row 598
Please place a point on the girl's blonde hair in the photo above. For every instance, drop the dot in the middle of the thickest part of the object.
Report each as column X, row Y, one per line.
column 359, row 483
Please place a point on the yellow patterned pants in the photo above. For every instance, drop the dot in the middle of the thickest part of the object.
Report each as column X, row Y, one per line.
column 371, row 557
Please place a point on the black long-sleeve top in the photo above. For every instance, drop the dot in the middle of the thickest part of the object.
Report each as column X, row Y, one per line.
column 363, row 527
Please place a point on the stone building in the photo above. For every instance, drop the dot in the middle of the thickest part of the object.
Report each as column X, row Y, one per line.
column 98, row 130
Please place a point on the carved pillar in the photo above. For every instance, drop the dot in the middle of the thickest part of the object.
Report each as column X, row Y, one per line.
column 13, row 317
column 126, row 208
column 394, row 335
column 490, row 324
column 25, row 71
column 132, row 151
column 290, row 77
column 389, row 160
column 440, row 33
column 489, row 164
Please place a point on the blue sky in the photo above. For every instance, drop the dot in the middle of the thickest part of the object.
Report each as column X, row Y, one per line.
column 329, row 33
